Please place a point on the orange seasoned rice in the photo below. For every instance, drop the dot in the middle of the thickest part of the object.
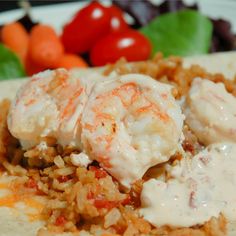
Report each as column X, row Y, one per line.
column 88, row 199
column 170, row 71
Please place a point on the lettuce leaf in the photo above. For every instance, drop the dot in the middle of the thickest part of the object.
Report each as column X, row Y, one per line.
column 183, row 33
column 10, row 65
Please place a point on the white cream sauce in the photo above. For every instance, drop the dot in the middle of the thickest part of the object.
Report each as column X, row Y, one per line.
column 200, row 189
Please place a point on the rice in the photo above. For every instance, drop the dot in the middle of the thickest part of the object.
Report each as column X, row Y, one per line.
column 112, row 217
column 14, row 169
column 58, row 161
column 87, row 200
column 170, row 71
column 5, row 137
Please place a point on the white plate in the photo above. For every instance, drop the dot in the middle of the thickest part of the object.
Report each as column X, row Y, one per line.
column 57, row 15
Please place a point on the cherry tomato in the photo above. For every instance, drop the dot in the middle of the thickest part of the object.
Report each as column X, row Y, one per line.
column 61, row 220
column 63, row 179
column 89, row 25
column 129, row 44
column 99, row 172
column 126, row 201
column 103, row 203
column 31, row 183
column 117, row 22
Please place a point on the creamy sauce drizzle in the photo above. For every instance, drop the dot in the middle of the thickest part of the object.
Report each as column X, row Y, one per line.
column 200, row 189
column 15, row 196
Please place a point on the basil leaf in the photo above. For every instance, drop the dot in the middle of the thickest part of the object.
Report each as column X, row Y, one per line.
column 182, row 33
column 10, row 65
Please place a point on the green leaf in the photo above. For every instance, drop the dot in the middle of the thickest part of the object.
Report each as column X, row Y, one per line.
column 10, row 65
column 183, row 33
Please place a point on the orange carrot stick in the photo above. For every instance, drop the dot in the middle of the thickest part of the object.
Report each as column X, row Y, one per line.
column 15, row 37
column 45, row 47
column 69, row 61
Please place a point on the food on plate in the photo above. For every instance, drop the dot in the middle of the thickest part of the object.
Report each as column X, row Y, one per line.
column 31, row 67
column 15, row 37
column 10, row 65
column 199, row 188
column 45, row 47
column 144, row 12
column 117, row 21
column 21, row 205
column 37, row 50
column 100, row 33
column 131, row 120
column 70, row 61
column 112, row 151
column 147, row 10
column 20, row 202
column 58, row 98
column 164, row 33
column 98, row 36
column 129, row 44
column 77, row 37
column 217, row 122
column 223, row 39
column 89, row 25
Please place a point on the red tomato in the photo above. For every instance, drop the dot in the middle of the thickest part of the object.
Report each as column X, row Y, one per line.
column 90, row 195
column 61, row 220
column 90, row 24
column 31, row 184
column 102, row 203
column 99, row 172
column 63, row 179
column 117, row 22
column 126, row 201
column 129, row 44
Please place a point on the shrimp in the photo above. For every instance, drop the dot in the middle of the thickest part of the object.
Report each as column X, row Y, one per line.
column 50, row 105
column 211, row 112
column 129, row 124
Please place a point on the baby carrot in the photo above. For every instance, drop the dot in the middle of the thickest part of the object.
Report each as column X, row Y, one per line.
column 32, row 68
column 15, row 37
column 69, row 61
column 45, row 47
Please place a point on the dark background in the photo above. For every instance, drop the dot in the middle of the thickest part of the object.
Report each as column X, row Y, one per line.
column 10, row 5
